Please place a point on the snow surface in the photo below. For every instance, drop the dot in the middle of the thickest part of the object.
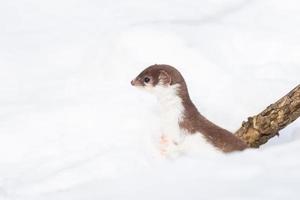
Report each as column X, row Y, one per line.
column 72, row 127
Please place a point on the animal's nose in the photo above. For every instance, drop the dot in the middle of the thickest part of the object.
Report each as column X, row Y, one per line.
column 133, row 82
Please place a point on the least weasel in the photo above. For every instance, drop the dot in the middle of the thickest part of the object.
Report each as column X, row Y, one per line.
column 180, row 117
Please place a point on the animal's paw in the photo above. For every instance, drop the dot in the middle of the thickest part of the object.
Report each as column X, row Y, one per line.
column 168, row 148
column 163, row 145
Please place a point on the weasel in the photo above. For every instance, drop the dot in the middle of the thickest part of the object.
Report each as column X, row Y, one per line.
column 180, row 117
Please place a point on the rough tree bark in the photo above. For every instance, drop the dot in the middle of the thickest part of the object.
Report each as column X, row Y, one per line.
column 260, row 128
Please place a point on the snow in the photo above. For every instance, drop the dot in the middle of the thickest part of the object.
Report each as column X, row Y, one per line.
column 72, row 126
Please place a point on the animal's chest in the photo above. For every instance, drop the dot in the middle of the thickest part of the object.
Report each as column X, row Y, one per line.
column 170, row 119
column 172, row 131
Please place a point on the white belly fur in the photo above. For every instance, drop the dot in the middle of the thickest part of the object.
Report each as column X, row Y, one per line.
column 171, row 114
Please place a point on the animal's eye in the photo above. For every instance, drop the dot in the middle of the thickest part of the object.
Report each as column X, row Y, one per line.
column 146, row 80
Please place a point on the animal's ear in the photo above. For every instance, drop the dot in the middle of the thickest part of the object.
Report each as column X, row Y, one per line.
column 165, row 78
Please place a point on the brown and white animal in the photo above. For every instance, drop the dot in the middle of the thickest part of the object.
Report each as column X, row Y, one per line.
column 180, row 117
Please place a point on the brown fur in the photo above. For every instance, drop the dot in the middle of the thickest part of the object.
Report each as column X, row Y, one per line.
column 193, row 121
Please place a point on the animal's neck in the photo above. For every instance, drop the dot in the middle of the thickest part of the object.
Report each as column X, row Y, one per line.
column 171, row 102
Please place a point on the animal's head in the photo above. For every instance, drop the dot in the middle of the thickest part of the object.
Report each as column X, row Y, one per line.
column 159, row 79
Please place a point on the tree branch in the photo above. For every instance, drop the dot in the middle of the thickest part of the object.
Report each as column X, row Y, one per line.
column 260, row 128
